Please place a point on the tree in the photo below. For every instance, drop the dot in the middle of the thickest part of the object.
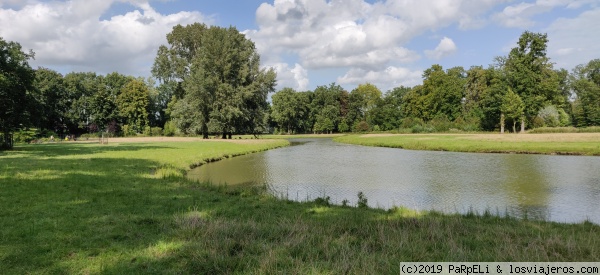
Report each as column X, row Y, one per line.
column 512, row 108
column 16, row 81
column 219, row 70
column 50, row 92
column 288, row 110
column 362, row 101
column 585, row 81
column 132, row 104
column 530, row 74
column 387, row 113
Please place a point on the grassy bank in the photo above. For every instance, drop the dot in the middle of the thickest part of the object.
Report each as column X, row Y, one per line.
column 562, row 144
column 89, row 208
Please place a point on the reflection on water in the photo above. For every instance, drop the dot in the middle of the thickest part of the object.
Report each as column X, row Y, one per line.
column 558, row 188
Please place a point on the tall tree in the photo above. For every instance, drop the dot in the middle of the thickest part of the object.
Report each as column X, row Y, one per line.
column 220, row 73
column 530, row 74
column 16, row 81
column 51, row 98
column 585, row 81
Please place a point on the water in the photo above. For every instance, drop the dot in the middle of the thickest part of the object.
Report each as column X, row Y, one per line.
column 556, row 188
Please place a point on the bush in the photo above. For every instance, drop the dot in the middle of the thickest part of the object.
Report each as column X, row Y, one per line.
column 170, row 129
column 147, row 131
column 156, row 131
column 24, row 136
column 362, row 126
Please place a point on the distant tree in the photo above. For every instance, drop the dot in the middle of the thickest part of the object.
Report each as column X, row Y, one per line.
column 585, row 81
column 387, row 113
column 16, row 83
column 288, row 110
column 512, row 108
column 530, row 74
column 51, row 98
column 132, row 104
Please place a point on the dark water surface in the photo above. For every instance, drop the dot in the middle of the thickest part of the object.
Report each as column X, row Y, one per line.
column 557, row 188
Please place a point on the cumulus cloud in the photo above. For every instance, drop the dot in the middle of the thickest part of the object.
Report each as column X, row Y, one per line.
column 581, row 32
column 71, row 35
column 519, row 15
column 445, row 48
column 291, row 77
column 385, row 79
column 357, row 35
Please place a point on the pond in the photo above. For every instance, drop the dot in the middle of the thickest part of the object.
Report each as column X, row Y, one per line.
column 556, row 188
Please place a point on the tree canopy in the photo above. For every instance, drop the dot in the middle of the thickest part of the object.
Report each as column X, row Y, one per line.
column 16, row 85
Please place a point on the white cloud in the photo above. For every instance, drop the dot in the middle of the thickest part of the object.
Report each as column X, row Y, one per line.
column 574, row 41
column 386, row 79
column 356, row 35
column 287, row 77
column 70, row 34
column 444, row 49
column 519, row 15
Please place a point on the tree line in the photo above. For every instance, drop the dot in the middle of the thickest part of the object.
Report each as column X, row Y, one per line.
column 208, row 80
column 521, row 90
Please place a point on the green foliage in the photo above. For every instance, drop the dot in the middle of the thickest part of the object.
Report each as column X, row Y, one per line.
column 224, row 89
column 361, row 126
column 585, row 81
column 170, row 129
column 16, row 85
column 24, row 136
column 362, row 200
column 132, row 105
column 530, row 74
column 156, row 131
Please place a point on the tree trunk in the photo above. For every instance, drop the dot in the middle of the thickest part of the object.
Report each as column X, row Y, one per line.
column 224, row 135
column 514, row 126
column 501, row 123
column 204, row 130
column 229, row 136
column 522, row 124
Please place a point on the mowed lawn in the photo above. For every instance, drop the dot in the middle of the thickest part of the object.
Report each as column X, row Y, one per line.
column 126, row 208
column 562, row 143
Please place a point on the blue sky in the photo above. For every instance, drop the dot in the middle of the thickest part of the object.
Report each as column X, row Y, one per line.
column 308, row 42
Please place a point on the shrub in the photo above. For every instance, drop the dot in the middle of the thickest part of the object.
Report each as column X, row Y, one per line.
column 362, row 126
column 170, row 129
column 24, row 136
column 147, row 131
column 362, row 200
column 156, row 131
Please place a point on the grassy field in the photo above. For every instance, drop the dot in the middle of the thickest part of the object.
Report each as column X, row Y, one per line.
column 125, row 208
column 561, row 144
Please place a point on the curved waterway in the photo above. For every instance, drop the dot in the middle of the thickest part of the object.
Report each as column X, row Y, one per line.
column 556, row 188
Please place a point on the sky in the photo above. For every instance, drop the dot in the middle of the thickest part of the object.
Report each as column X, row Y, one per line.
column 308, row 43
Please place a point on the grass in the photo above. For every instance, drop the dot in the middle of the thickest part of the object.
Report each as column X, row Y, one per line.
column 561, row 144
column 104, row 209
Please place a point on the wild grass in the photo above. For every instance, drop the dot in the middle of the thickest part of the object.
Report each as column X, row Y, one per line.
column 562, row 144
column 90, row 208
column 544, row 130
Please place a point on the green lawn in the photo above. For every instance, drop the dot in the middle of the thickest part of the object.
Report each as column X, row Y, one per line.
column 562, row 144
column 127, row 209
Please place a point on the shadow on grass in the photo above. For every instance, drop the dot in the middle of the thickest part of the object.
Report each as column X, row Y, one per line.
column 66, row 149
column 107, row 215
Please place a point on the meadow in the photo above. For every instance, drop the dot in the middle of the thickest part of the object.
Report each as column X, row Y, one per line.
column 551, row 143
column 127, row 208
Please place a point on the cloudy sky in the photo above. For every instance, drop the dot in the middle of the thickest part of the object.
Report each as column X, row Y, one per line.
column 308, row 42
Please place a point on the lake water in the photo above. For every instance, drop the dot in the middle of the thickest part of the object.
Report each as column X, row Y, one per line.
column 556, row 188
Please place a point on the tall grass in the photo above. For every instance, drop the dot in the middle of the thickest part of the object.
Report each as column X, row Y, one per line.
column 90, row 208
